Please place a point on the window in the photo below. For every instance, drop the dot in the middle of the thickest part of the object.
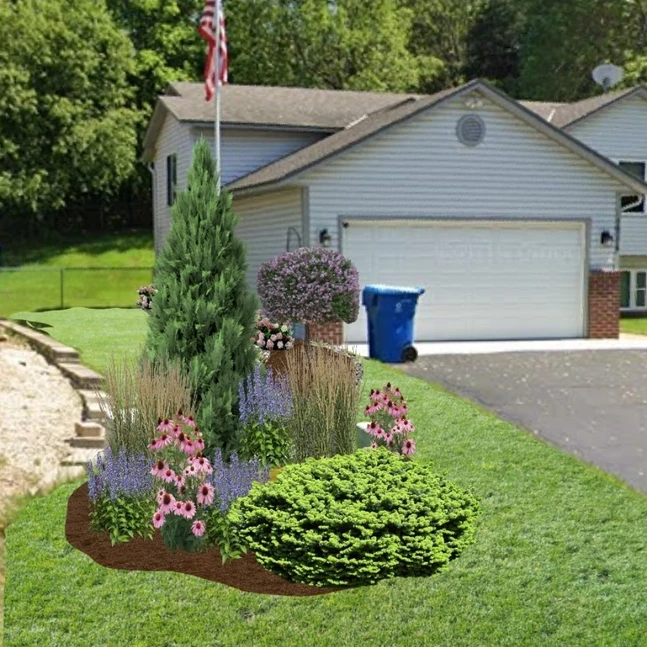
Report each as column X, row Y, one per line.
column 637, row 169
column 171, row 179
column 633, row 290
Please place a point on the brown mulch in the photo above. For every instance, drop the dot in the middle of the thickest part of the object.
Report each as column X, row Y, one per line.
column 244, row 574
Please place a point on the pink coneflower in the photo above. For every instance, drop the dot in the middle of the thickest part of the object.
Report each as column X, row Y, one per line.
column 188, row 510
column 160, row 494
column 168, row 475
column 177, row 507
column 380, row 433
column 373, row 428
column 167, row 503
column 189, row 421
column 179, row 480
column 165, row 426
column 199, row 443
column 374, row 445
column 164, row 440
column 158, row 519
column 205, row 494
column 189, row 447
column 388, row 438
column 176, row 431
column 159, row 468
column 197, row 528
column 409, row 446
column 203, row 465
column 191, row 470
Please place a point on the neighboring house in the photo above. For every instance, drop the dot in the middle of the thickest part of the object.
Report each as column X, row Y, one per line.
column 615, row 125
column 507, row 221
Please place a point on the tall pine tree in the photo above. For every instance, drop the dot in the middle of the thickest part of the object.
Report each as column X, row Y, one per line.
column 203, row 312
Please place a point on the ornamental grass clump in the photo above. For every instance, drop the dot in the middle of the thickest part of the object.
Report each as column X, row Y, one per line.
column 325, row 398
column 353, row 520
column 310, row 285
column 389, row 426
column 135, row 395
column 120, row 488
column 265, row 404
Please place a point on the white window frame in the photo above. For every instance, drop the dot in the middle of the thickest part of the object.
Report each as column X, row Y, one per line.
column 626, row 160
column 633, row 286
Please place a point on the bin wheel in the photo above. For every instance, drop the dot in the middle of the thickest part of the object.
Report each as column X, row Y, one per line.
column 409, row 354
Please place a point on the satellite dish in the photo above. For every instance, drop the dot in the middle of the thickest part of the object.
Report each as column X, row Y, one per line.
column 607, row 75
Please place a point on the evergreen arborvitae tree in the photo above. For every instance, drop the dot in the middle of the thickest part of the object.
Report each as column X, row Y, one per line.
column 203, row 313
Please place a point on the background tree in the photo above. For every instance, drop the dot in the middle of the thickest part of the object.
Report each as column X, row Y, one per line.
column 203, row 313
column 347, row 44
column 438, row 39
column 493, row 42
column 564, row 41
column 67, row 126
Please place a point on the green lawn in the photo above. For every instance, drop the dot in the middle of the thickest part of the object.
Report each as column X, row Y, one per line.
column 95, row 333
column 37, row 284
column 560, row 559
column 635, row 326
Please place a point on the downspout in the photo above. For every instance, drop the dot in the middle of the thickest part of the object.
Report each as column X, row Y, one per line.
column 151, row 168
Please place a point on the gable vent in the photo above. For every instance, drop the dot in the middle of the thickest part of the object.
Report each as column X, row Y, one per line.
column 470, row 130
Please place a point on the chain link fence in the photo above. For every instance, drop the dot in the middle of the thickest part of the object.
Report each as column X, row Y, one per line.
column 37, row 288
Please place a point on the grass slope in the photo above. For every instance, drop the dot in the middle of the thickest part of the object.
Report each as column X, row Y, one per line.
column 95, row 333
column 37, row 286
column 560, row 559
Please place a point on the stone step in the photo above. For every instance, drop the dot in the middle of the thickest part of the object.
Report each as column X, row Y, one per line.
column 80, row 456
column 87, row 442
column 81, row 376
column 89, row 429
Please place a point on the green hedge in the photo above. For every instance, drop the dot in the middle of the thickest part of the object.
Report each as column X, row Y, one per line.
column 356, row 519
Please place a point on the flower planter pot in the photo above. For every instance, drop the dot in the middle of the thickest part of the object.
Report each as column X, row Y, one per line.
column 363, row 439
column 138, row 554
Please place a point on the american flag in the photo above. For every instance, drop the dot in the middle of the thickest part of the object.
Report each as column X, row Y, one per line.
column 207, row 30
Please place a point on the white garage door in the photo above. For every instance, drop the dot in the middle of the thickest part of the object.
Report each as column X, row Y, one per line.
column 485, row 280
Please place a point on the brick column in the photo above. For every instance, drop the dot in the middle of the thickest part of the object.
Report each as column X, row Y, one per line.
column 604, row 304
column 331, row 333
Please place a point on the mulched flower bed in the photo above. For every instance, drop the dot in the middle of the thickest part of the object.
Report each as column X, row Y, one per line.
column 245, row 574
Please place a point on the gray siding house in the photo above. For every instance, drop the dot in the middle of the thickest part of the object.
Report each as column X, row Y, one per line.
column 509, row 222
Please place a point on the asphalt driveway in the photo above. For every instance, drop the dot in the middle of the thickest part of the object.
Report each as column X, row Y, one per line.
column 591, row 403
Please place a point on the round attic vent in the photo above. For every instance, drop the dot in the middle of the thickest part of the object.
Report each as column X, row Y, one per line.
column 470, row 130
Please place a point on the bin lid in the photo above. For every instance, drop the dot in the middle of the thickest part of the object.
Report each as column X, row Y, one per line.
column 392, row 290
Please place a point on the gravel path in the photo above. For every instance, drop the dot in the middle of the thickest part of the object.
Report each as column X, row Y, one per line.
column 38, row 409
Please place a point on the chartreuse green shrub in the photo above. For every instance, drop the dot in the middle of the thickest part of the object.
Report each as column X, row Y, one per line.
column 356, row 519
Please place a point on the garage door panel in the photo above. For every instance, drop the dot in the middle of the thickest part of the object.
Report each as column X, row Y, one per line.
column 494, row 281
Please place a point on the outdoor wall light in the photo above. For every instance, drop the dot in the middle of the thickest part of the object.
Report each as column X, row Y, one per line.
column 324, row 238
column 606, row 238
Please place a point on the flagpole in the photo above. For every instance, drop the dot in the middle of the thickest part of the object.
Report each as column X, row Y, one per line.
column 217, row 75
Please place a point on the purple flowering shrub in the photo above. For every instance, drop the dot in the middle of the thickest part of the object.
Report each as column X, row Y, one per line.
column 120, row 488
column 265, row 404
column 310, row 285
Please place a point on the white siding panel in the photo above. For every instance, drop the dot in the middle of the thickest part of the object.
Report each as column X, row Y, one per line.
column 620, row 133
column 419, row 169
column 263, row 223
column 244, row 151
column 174, row 137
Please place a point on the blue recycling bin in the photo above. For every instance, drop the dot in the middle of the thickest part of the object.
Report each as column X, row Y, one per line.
column 390, row 312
